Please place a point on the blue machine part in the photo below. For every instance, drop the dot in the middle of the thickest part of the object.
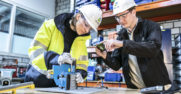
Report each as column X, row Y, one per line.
column 138, row 2
column 110, row 6
column 64, row 75
column 91, row 73
column 96, row 2
column 115, row 77
column 167, row 46
column 97, row 40
column 80, row 2
column 85, row 2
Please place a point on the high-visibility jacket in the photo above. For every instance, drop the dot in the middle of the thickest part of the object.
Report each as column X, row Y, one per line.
column 48, row 44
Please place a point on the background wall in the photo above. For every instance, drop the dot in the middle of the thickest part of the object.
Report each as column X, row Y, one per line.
column 64, row 6
column 45, row 7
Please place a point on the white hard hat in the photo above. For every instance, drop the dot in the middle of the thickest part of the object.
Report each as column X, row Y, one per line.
column 92, row 14
column 122, row 5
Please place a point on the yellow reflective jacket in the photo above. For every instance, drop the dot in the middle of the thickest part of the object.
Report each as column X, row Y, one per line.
column 48, row 44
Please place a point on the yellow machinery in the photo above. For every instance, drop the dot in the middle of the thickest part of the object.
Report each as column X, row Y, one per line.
column 14, row 87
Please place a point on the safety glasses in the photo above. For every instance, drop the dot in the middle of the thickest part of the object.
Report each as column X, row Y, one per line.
column 123, row 16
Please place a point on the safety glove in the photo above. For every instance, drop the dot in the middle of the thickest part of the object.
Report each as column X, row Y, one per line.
column 65, row 58
column 79, row 78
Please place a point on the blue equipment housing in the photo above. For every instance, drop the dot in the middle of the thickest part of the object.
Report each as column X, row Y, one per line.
column 114, row 77
column 64, row 76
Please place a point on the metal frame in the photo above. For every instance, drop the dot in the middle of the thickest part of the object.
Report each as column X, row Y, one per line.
column 72, row 5
column 13, row 54
column 11, row 28
column 24, row 7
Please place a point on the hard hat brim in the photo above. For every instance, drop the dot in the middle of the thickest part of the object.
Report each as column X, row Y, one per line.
column 95, row 29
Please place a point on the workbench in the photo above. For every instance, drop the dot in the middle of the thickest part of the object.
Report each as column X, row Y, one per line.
column 88, row 91
column 99, row 91
column 106, row 83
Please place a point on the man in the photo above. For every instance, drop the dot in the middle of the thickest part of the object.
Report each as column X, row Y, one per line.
column 61, row 40
column 137, row 48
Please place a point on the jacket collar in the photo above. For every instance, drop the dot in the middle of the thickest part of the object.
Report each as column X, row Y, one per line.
column 62, row 21
column 139, row 23
column 140, row 20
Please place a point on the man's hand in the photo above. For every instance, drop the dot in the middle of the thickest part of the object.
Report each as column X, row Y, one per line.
column 79, row 78
column 109, row 45
column 113, row 44
column 101, row 54
column 65, row 58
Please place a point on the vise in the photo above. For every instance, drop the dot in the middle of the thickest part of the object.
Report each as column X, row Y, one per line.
column 6, row 76
column 64, row 76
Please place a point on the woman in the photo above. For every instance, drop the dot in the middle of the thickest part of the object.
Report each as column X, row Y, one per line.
column 61, row 39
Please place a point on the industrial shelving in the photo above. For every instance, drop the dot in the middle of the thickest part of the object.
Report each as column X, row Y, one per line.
column 161, row 10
